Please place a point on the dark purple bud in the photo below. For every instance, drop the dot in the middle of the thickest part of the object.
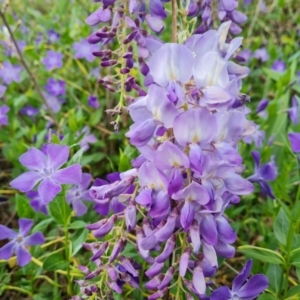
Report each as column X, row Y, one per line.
column 262, row 105
column 94, row 226
column 111, row 34
column 87, row 292
column 129, row 63
column 93, row 274
column 166, row 231
column 112, row 273
column 125, row 71
column 127, row 55
column 130, row 216
column 154, row 282
column 130, row 37
column 102, row 34
column 184, row 262
column 157, row 295
column 114, row 286
column 109, row 87
column 195, row 236
column 168, row 277
column 108, row 63
column 169, row 247
column 106, row 80
column 93, row 39
column 94, row 289
column 128, row 266
column 100, row 251
column 106, row 228
column 118, row 247
column 84, row 270
column 128, row 279
column 143, row 67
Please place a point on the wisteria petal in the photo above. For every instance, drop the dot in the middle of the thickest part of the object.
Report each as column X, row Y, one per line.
column 187, row 215
column 34, row 159
column 226, row 233
column 48, row 189
column 208, row 229
column 238, row 185
column 167, row 64
column 68, row 175
column 26, row 181
column 154, row 23
column 161, row 206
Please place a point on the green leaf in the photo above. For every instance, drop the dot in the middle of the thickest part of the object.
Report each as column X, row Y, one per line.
column 274, row 273
column 76, row 158
column 263, row 254
column 72, row 123
column 24, row 209
column 294, row 291
column 77, row 239
column 95, row 117
column 59, row 210
column 267, row 297
column 41, row 226
column 281, row 227
column 55, row 262
column 77, row 224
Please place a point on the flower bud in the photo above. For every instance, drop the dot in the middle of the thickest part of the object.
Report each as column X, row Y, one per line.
column 98, row 254
column 155, row 269
column 154, row 282
column 184, row 262
column 114, row 286
column 168, row 277
column 112, row 273
column 128, row 266
column 130, row 216
column 108, row 63
column 119, row 247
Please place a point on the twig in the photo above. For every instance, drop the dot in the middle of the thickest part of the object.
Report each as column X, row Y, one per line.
column 23, row 62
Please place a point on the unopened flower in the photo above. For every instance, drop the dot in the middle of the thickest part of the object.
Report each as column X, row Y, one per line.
column 19, row 242
column 293, row 111
column 45, row 168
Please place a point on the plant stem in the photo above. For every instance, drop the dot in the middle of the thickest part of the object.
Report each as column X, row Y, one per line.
column 23, row 62
column 69, row 286
column 174, row 21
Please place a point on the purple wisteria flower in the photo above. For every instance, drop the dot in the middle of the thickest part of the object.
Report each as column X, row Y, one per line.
column 261, row 108
column 79, row 193
column 19, row 241
column 53, row 36
column 3, row 89
column 293, row 111
column 4, row 109
column 10, row 73
column 84, row 49
column 263, row 174
column 55, row 87
column 242, row 288
column 52, row 60
column 45, row 169
column 29, row 111
column 93, row 101
column 294, row 138
column 279, row 66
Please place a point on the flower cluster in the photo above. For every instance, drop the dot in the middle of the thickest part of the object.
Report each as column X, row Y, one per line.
column 186, row 128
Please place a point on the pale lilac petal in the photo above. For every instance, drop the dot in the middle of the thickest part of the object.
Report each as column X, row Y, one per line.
column 254, row 286
column 199, row 280
column 36, row 238
column 187, row 215
column 226, row 233
column 86, row 180
column 68, row 175
column 210, row 254
column 161, row 206
column 191, row 126
column 240, row 279
column 237, row 185
column 154, row 23
column 7, row 233
column 25, row 226
column 34, row 159
column 23, row 256
column 7, row 250
column 48, row 189
column 171, row 62
column 26, row 181
column 57, row 155
column 208, row 229
column 79, row 208
column 215, row 95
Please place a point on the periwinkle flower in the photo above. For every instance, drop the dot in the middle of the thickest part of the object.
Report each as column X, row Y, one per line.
column 294, row 138
column 52, row 60
column 264, row 173
column 241, row 288
column 10, row 73
column 53, row 36
column 55, row 87
column 93, row 101
column 4, row 109
column 84, row 49
column 53, row 102
column 262, row 54
column 45, row 169
column 279, row 66
column 79, row 193
column 36, row 202
column 19, row 241
column 29, row 111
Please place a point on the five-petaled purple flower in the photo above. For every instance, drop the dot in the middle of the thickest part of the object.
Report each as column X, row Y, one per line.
column 53, row 60
column 264, row 173
column 241, row 288
column 55, row 87
column 93, row 101
column 78, row 193
column 19, row 241
column 10, row 73
column 84, row 49
column 53, row 36
column 29, row 111
column 4, row 109
column 45, row 168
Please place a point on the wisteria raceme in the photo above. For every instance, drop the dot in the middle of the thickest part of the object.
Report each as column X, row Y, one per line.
column 186, row 128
